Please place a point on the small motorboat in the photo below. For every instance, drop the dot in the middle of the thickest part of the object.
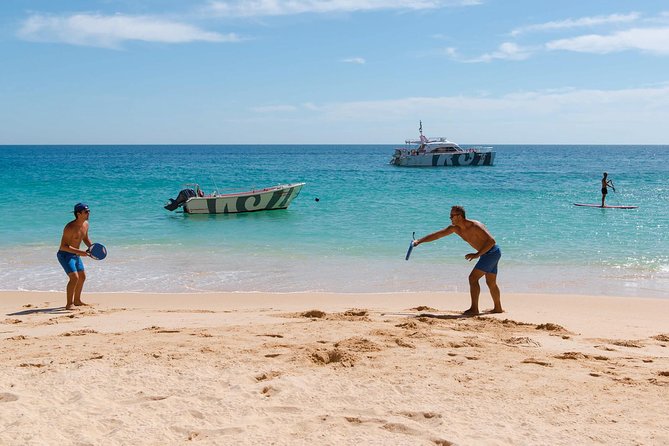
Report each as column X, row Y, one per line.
column 193, row 200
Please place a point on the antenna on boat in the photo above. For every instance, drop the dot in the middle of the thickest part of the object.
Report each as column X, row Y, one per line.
column 214, row 181
column 422, row 138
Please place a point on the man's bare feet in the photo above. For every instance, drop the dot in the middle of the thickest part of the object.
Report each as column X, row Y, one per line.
column 81, row 304
column 471, row 312
column 496, row 310
column 69, row 307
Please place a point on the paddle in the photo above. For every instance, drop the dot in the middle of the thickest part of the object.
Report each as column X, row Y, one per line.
column 97, row 251
column 413, row 237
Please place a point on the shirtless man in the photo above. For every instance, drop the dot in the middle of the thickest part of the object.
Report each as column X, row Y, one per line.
column 69, row 253
column 487, row 251
column 606, row 184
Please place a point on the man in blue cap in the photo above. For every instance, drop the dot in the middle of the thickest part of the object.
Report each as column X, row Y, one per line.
column 69, row 254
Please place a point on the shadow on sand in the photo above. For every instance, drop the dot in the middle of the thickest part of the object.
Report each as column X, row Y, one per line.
column 447, row 316
column 55, row 310
column 456, row 316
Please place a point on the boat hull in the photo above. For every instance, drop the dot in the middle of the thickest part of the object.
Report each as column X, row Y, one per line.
column 445, row 159
column 271, row 198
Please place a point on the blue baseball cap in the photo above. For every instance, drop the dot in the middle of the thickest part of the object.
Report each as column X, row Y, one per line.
column 80, row 207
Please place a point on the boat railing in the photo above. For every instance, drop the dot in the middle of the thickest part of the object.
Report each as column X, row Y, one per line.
column 479, row 149
column 235, row 191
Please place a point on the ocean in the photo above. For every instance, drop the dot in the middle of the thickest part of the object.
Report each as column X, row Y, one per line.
column 348, row 230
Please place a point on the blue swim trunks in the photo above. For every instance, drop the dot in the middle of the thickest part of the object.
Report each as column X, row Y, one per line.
column 488, row 261
column 70, row 262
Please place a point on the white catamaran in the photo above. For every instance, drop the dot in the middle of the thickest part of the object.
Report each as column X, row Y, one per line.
column 432, row 152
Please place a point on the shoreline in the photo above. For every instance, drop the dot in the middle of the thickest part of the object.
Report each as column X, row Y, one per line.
column 350, row 279
column 332, row 368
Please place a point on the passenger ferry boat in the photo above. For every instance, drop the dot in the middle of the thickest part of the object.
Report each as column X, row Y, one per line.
column 432, row 152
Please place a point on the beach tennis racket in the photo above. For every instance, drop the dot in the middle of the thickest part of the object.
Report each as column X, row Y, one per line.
column 97, row 251
column 413, row 237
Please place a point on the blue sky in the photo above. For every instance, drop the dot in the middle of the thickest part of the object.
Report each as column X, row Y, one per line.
column 337, row 71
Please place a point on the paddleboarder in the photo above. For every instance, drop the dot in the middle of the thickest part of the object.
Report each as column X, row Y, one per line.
column 487, row 251
column 606, row 183
column 69, row 255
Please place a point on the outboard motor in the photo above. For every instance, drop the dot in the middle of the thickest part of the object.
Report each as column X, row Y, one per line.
column 183, row 197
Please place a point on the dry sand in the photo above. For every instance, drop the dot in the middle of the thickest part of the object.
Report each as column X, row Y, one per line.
column 344, row 369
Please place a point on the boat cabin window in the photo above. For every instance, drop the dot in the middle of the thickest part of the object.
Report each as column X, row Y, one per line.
column 443, row 149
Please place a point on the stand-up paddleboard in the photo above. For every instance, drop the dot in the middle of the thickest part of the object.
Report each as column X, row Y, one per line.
column 605, row 207
column 97, row 251
column 413, row 237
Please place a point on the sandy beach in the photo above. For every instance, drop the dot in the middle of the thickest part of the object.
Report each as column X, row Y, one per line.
column 312, row 368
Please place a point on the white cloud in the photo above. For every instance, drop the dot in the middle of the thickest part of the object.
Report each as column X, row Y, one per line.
column 652, row 40
column 354, row 60
column 111, row 31
column 578, row 23
column 626, row 116
column 544, row 102
column 506, row 51
column 252, row 8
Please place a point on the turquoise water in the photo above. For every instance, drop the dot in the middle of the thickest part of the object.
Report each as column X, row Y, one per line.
column 354, row 238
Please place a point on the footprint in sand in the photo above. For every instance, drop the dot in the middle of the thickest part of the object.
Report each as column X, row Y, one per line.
column 334, row 356
column 402, row 343
column 628, row 343
column 201, row 434
column 423, row 308
column 269, row 391
column 313, row 314
column 552, row 327
column 356, row 312
column 431, row 418
column 12, row 321
column 401, row 428
column 662, row 337
column 8, row 397
column 82, row 332
column 604, row 347
column 157, row 329
column 537, row 361
column 35, row 364
column 141, row 398
column 267, row 376
column 196, row 414
column 580, row 356
column 522, row 341
column 75, row 397
column 358, row 344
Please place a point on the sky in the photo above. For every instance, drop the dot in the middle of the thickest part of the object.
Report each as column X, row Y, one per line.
column 333, row 72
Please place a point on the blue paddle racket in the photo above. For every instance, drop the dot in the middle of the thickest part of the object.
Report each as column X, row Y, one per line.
column 413, row 237
column 97, row 251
